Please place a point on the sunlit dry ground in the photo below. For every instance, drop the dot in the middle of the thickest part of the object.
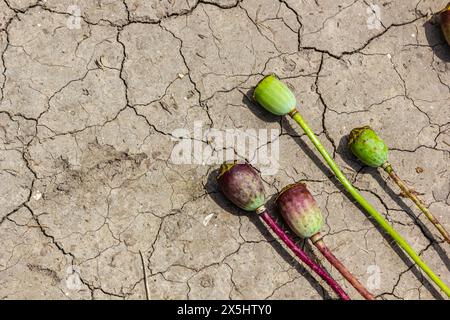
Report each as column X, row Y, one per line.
column 89, row 106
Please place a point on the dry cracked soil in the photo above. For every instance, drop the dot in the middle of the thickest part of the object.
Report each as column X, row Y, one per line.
column 94, row 94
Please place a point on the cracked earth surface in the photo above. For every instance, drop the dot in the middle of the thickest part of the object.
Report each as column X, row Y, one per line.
column 86, row 132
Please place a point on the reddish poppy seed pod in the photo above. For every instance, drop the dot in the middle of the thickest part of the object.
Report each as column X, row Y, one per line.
column 242, row 185
column 300, row 211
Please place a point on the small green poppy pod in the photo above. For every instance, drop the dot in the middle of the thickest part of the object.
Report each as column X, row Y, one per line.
column 242, row 185
column 299, row 209
column 445, row 22
column 274, row 96
column 368, row 147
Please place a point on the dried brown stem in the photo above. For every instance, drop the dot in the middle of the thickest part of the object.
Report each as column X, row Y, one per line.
column 419, row 203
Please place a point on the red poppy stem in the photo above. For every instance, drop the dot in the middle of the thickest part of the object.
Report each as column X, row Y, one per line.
column 302, row 256
column 340, row 267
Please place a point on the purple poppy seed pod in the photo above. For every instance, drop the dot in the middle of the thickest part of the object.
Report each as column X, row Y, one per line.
column 299, row 209
column 242, row 185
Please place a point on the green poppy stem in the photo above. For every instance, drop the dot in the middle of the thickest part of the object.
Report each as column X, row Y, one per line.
column 419, row 203
column 366, row 205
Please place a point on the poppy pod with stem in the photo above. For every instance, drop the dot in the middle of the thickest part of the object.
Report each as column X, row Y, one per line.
column 371, row 150
column 270, row 95
column 301, row 212
column 243, row 186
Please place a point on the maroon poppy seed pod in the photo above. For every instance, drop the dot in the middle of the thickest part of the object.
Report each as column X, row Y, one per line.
column 299, row 209
column 242, row 185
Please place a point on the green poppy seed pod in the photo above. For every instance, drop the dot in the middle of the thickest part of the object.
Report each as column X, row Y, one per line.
column 242, row 185
column 368, row 147
column 274, row 96
column 299, row 209
column 445, row 22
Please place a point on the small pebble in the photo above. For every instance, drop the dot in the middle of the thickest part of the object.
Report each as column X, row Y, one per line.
column 37, row 196
column 207, row 219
